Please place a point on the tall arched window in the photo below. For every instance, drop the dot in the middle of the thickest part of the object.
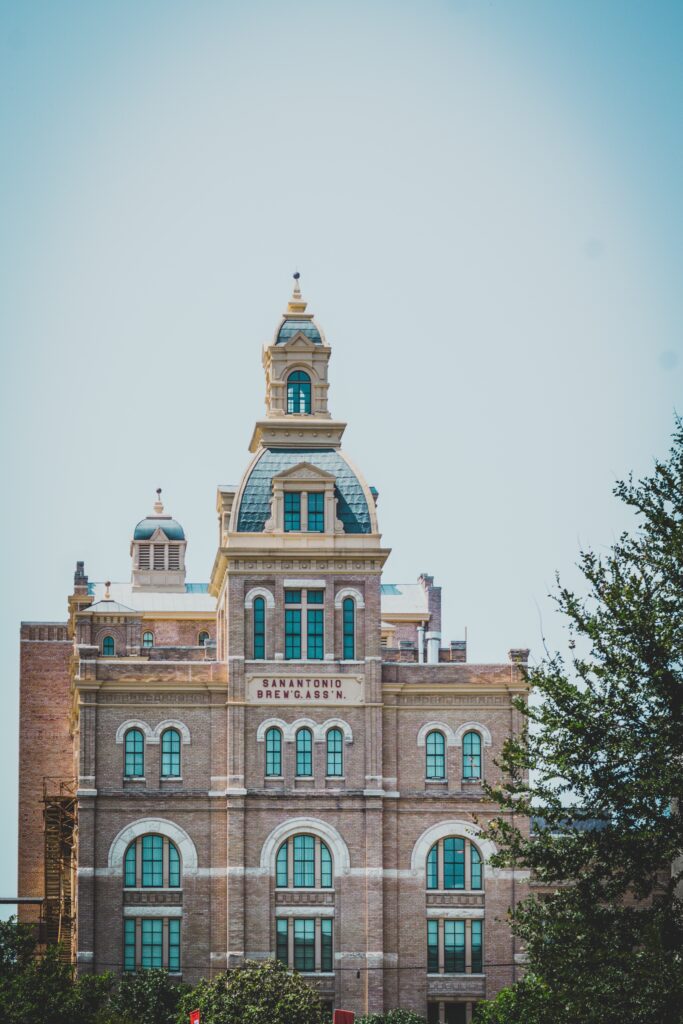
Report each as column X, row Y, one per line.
column 436, row 755
column 274, row 752
column 148, row 639
column 471, row 756
column 134, row 754
column 454, row 863
column 335, row 755
column 298, row 392
column 304, row 752
column 203, row 638
column 259, row 612
column 170, row 754
column 303, row 862
column 152, row 861
column 108, row 647
column 349, row 630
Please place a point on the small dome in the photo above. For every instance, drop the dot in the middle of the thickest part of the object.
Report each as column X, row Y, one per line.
column 147, row 527
column 291, row 326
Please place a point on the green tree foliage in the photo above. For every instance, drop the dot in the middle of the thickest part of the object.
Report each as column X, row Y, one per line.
column 150, row 996
column 604, row 744
column 254, row 993
column 391, row 1017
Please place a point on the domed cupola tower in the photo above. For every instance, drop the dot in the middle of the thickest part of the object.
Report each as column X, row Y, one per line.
column 158, row 552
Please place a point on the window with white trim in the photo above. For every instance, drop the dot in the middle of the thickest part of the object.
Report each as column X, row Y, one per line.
column 454, row 863
column 150, row 942
column 455, row 947
column 303, row 862
column 151, row 862
column 305, row 943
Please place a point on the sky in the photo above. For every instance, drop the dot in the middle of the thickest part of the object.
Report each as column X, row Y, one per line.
column 483, row 199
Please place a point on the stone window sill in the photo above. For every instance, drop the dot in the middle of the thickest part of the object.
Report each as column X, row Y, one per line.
column 171, row 778
column 134, row 778
column 436, row 782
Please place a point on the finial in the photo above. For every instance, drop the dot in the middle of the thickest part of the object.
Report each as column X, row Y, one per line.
column 107, row 595
column 296, row 303
column 158, row 504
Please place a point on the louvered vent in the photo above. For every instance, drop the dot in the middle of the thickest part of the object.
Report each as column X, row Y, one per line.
column 159, row 559
column 174, row 557
column 143, row 556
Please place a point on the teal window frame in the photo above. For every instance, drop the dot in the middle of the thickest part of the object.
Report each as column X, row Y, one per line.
column 454, row 863
column 315, row 634
column 134, row 754
column 274, row 752
column 432, row 947
column 316, row 512
column 292, row 511
column 203, row 638
column 475, row 868
column 435, row 755
column 477, row 941
column 433, row 867
column 170, row 754
column 471, row 755
column 259, row 624
column 453, row 947
column 292, row 634
column 304, row 944
column 108, row 647
column 315, row 597
column 349, row 628
column 282, row 866
column 148, row 639
column 129, row 944
column 152, row 945
column 326, row 949
column 303, row 850
column 299, row 393
column 130, row 872
column 282, row 940
column 153, row 862
column 335, row 752
column 304, row 753
column 325, row 866
column 174, row 945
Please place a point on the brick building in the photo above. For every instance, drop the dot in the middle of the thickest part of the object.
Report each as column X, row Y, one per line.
column 286, row 761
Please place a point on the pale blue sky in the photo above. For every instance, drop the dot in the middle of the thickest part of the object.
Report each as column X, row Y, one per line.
column 484, row 201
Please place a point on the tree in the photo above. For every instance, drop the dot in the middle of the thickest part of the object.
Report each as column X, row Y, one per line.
column 150, row 996
column 254, row 993
column 392, row 1017
column 604, row 745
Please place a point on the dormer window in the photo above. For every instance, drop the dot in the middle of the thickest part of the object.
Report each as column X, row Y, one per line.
column 292, row 511
column 299, row 393
column 316, row 512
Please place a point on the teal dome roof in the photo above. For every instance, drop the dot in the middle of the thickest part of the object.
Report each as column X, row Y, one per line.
column 291, row 326
column 352, row 506
column 147, row 527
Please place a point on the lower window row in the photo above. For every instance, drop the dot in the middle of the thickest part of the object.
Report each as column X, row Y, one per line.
column 305, row 943
column 455, row 947
column 151, row 942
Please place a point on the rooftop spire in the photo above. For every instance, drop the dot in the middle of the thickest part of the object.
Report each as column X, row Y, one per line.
column 296, row 303
column 158, row 504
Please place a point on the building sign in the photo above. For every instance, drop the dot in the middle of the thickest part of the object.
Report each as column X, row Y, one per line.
column 305, row 690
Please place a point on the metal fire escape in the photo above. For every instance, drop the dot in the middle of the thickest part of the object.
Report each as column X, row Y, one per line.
column 60, row 818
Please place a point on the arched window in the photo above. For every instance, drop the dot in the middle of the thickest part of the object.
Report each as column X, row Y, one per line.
column 274, row 752
column 259, row 612
column 134, row 754
column 298, row 392
column 304, row 752
column 108, row 647
column 436, row 755
column 148, row 639
column 335, row 756
column 303, row 862
column 152, row 861
column 471, row 755
column 349, row 624
column 170, row 754
column 454, row 863
column 203, row 638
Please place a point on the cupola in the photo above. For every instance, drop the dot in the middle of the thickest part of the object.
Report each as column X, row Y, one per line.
column 158, row 552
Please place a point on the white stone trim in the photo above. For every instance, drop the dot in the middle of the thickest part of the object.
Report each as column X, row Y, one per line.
column 290, row 729
column 457, row 912
column 85, row 956
column 259, row 592
column 455, row 827
column 271, row 723
column 305, row 584
column 441, row 727
column 315, row 826
column 308, row 911
column 136, row 723
column 160, row 826
column 334, row 723
column 473, row 727
column 349, row 592
column 155, row 911
column 172, row 723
